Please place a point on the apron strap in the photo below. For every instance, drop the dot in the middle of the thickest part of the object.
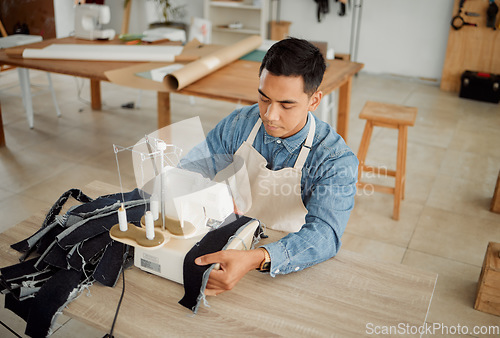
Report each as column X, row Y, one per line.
column 306, row 147
column 254, row 131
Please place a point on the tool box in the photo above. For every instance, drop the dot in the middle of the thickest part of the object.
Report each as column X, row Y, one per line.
column 480, row 86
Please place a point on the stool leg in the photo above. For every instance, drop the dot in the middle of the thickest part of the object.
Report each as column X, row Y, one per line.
column 403, row 187
column 363, row 147
column 399, row 171
column 2, row 135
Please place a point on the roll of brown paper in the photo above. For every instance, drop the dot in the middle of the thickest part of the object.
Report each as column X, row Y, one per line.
column 197, row 69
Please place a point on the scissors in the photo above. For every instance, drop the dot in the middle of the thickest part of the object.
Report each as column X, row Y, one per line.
column 458, row 22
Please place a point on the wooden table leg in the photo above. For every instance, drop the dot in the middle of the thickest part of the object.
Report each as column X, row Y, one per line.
column 2, row 136
column 495, row 201
column 343, row 110
column 95, row 94
column 163, row 109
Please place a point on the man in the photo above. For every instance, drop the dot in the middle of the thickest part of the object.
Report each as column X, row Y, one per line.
column 302, row 176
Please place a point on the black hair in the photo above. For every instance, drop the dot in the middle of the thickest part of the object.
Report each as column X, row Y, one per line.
column 296, row 57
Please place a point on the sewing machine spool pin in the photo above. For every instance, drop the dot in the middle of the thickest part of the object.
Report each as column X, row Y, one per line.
column 162, row 146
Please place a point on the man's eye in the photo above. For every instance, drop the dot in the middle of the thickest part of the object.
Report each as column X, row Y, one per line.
column 263, row 99
column 286, row 107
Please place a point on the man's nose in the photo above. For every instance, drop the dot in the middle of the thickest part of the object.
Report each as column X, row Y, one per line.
column 272, row 112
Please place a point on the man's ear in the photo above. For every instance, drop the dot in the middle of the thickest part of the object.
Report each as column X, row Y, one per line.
column 315, row 99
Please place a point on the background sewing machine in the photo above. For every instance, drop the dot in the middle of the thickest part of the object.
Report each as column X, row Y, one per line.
column 89, row 19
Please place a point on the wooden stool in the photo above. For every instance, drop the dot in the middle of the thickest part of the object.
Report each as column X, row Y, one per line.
column 388, row 116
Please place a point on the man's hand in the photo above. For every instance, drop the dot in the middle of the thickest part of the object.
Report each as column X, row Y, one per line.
column 234, row 264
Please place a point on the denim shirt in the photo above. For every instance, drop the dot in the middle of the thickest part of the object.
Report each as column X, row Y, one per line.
column 328, row 183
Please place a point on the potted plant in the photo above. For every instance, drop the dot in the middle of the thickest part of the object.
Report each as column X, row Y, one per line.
column 170, row 14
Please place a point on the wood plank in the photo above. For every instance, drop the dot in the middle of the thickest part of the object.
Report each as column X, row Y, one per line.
column 377, row 187
column 95, row 94
column 388, row 115
column 495, row 201
column 164, row 117
column 344, row 108
column 2, row 29
column 488, row 287
column 379, row 170
column 2, row 134
column 336, row 297
column 126, row 17
column 470, row 48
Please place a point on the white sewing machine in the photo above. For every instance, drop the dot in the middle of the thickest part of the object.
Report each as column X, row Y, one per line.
column 192, row 206
column 89, row 19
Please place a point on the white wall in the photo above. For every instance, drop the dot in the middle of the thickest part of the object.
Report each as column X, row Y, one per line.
column 403, row 37
column 64, row 18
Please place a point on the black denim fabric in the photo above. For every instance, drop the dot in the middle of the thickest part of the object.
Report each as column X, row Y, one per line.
column 55, row 293
column 196, row 276
column 74, row 250
column 50, row 222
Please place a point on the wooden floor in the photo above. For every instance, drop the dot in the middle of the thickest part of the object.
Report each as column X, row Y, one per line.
column 452, row 167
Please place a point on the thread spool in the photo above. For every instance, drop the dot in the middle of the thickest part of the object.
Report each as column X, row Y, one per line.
column 122, row 218
column 150, row 226
column 154, row 206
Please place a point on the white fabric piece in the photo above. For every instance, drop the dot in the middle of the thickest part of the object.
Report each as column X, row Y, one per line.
column 104, row 52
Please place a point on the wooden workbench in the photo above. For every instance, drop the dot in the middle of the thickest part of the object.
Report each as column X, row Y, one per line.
column 341, row 296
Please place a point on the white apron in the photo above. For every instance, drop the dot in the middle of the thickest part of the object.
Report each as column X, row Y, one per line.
column 273, row 197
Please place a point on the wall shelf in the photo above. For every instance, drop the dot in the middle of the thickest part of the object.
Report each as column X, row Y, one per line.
column 237, row 5
column 255, row 19
column 253, row 31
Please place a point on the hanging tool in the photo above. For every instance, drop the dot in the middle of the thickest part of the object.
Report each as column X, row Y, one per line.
column 342, row 10
column 323, row 8
column 472, row 14
column 457, row 21
column 491, row 15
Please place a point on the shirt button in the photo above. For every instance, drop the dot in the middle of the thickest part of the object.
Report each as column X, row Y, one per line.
column 279, row 141
column 297, row 268
column 277, row 271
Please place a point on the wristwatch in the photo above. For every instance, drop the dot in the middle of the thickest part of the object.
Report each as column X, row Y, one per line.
column 266, row 263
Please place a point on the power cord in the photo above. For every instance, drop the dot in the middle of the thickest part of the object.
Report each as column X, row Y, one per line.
column 127, row 105
column 125, row 253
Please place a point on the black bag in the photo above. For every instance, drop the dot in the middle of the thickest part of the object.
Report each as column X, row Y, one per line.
column 480, row 86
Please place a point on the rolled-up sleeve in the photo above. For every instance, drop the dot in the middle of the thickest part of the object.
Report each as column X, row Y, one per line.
column 328, row 194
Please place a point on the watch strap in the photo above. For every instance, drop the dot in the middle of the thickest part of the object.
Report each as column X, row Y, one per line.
column 265, row 265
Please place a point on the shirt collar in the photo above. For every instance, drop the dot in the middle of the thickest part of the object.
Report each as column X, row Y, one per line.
column 293, row 142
